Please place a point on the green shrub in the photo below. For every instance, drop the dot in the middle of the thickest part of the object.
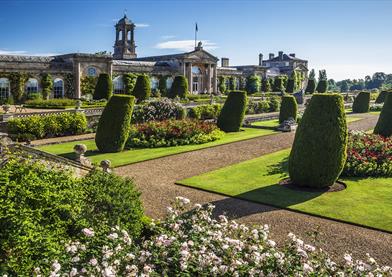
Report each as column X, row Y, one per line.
column 47, row 85
column 222, row 84
column 322, row 86
column 162, row 86
column 278, row 84
column 384, row 123
column 362, row 102
column 256, row 107
column 50, row 103
column 114, row 124
column 253, row 84
column 38, row 127
column 266, row 85
column 142, row 90
column 288, row 108
column 290, row 86
column 179, row 87
column 129, row 82
column 103, row 88
column 232, row 83
column 42, row 209
column 381, row 97
column 205, row 111
column 274, row 103
column 233, row 112
column 311, row 87
column 318, row 154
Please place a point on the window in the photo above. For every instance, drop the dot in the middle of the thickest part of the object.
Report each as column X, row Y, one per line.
column 169, row 82
column 154, row 83
column 91, row 71
column 58, row 88
column 196, row 70
column 4, row 88
column 195, row 85
column 31, row 86
column 118, row 85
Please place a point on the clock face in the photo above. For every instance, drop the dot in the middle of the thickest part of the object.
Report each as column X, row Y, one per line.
column 92, row 72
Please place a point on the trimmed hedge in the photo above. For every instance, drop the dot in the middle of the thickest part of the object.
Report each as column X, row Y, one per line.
column 322, row 86
column 114, row 124
column 384, row 123
column 381, row 97
column 233, row 112
column 288, row 108
column 104, row 87
column 179, row 87
column 142, row 89
column 38, row 127
column 205, row 112
column 362, row 102
column 318, row 154
column 311, row 87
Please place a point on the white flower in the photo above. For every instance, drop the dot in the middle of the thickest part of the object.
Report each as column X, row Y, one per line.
column 348, row 259
column 113, row 236
column 93, row 262
column 73, row 272
column 88, row 232
column 108, row 272
column 56, row 266
column 147, row 269
column 309, row 248
column 271, row 243
column 307, row 268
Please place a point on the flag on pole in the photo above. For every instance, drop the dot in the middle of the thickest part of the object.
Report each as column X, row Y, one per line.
column 196, row 30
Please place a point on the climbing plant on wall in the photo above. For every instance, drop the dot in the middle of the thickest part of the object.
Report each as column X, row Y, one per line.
column 69, row 85
column 222, row 84
column 129, row 82
column 17, row 83
column 47, row 85
column 87, row 85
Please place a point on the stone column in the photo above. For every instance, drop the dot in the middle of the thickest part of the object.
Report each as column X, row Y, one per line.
column 215, row 80
column 183, row 69
column 190, row 78
column 209, row 75
column 78, row 92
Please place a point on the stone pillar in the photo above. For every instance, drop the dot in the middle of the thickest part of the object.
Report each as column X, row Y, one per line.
column 183, row 69
column 78, row 92
column 190, row 78
column 215, row 80
column 209, row 76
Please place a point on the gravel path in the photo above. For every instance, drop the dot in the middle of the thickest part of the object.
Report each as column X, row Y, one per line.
column 156, row 180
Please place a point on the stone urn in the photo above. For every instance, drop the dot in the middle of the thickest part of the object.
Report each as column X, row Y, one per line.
column 80, row 149
column 105, row 165
column 288, row 125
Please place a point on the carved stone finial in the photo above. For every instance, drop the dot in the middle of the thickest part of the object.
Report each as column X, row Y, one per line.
column 105, row 165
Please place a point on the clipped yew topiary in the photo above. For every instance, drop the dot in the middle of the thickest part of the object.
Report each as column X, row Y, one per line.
column 288, row 108
column 362, row 102
column 233, row 112
column 381, row 97
column 384, row 123
column 114, row 124
column 179, row 87
column 103, row 88
column 319, row 150
column 142, row 89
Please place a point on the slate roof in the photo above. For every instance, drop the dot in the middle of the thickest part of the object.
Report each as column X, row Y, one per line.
column 285, row 58
column 21, row 58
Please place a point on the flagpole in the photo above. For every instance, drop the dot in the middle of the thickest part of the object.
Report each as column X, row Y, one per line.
column 195, row 33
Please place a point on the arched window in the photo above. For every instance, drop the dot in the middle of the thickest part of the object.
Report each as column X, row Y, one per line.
column 196, row 70
column 169, row 82
column 31, row 86
column 92, row 71
column 118, row 85
column 120, row 34
column 4, row 88
column 58, row 88
column 154, row 83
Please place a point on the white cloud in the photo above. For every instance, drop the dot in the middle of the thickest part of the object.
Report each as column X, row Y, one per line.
column 185, row 45
column 352, row 71
column 25, row 53
column 142, row 25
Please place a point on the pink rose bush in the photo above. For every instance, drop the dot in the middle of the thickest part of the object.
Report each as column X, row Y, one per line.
column 368, row 155
column 195, row 244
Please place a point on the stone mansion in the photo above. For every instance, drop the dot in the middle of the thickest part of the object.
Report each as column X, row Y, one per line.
column 198, row 66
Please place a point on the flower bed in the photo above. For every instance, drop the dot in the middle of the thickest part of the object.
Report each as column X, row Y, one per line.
column 172, row 133
column 195, row 244
column 158, row 110
column 368, row 155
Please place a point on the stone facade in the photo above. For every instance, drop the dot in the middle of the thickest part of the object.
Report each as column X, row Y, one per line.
column 198, row 66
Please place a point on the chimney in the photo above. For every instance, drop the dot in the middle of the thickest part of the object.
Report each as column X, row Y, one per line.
column 271, row 56
column 260, row 59
column 292, row 55
column 281, row 55
column 225, row 62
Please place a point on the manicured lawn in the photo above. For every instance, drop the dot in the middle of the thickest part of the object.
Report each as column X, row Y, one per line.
column 275, row 122
column 366, row 201
column 143, row 154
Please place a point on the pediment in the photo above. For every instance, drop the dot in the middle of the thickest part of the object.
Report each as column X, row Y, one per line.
column 200, row 55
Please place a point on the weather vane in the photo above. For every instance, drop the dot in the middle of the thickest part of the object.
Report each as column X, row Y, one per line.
column 125, row 12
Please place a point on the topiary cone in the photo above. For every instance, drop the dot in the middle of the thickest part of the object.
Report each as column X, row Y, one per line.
column 384, row 123
column 142, row 89
column 318, row 154
column 288, row 108
column 233, row 112
column 114, row 124
column 103, row 88
column 362, row 102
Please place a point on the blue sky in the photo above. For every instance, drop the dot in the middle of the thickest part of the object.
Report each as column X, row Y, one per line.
column 350, row 39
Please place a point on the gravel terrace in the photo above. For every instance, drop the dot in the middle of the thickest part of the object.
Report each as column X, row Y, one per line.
column 156, row 180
